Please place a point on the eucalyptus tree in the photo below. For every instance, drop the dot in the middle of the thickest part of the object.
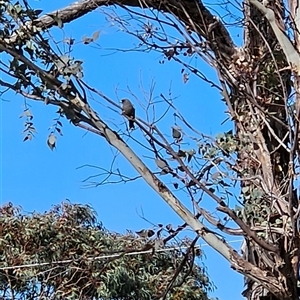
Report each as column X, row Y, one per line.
column 258, row 81
column 65, row 253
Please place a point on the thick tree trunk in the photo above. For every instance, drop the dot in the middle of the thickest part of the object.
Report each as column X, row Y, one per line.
column 267, row 93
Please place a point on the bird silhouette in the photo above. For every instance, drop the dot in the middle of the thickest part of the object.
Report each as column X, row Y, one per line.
column 129, row 111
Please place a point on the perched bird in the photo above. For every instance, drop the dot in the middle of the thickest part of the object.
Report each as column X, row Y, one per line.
column 129, row 111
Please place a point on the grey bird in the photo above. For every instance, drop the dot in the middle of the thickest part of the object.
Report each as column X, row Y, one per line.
column 129, row 111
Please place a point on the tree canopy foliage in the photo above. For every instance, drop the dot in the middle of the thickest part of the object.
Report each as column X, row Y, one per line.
column 65, row 254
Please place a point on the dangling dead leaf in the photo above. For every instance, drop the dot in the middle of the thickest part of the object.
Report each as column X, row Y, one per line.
column 28, row 137
column 176, row 185
column 51, row 141
column 176, row 134
column 181, row 153
column 96, row 35
column 185, row 77
column 145, row 233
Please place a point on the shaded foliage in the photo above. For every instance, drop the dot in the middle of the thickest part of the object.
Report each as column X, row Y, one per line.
column 65, row 254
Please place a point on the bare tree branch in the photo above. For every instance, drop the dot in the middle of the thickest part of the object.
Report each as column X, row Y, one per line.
column 191, row 12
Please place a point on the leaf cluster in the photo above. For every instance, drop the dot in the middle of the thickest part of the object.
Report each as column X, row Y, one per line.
column 65, row 254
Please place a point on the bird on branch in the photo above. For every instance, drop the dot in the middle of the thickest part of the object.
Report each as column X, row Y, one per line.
column 129, row 111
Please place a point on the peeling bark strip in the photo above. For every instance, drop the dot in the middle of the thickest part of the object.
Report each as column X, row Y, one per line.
column 292, row 55
column 269, row 86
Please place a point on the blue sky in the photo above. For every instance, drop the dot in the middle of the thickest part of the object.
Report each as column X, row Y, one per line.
column 35, row 178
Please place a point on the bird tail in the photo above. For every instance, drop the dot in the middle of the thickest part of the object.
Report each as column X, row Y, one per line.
column 131, row 124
